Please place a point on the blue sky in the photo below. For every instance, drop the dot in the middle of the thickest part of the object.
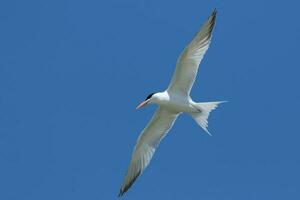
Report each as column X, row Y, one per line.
column 72, row 72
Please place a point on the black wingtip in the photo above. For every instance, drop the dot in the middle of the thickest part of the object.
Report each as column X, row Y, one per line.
column 120, row 193
column 213, row 14
column 127, row 186
column 214, row 11
column 212, row 20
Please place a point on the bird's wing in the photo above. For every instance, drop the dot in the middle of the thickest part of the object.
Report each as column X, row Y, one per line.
column 149, row 139
column 189, row 60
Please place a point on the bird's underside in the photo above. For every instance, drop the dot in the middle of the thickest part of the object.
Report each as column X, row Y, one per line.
column 171, row 103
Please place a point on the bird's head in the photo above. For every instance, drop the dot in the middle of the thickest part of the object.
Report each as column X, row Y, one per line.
column 149, row 99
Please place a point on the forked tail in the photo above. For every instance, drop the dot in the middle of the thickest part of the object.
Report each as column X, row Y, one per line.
column 204, row 108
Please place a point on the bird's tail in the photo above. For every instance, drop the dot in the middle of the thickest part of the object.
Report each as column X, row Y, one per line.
column 204, row 108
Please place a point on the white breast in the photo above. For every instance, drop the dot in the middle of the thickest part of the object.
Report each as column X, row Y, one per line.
column 174, row 102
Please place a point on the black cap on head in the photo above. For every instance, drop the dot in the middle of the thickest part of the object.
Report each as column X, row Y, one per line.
column 149, row 96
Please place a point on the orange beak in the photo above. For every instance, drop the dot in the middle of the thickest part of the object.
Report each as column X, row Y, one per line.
column 142, row 104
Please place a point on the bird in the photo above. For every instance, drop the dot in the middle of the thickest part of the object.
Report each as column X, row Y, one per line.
column 172, row 102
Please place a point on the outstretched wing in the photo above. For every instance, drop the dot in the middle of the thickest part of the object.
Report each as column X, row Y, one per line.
column 189, row 60
column 149, row 139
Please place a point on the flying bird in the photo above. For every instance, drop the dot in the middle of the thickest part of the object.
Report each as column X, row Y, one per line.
column 172, row 102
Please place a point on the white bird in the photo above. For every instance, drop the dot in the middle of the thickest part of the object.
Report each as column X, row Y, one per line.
column 172, row 102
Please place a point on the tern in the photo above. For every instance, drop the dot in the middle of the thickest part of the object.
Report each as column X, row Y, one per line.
column 172, row 102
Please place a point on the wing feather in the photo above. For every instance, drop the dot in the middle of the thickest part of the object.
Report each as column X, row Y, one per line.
column 189, row 60
column 161, row 122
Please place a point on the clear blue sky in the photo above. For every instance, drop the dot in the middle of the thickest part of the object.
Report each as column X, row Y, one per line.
column 72, row 72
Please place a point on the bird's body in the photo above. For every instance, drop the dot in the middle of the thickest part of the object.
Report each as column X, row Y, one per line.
column 172, row 102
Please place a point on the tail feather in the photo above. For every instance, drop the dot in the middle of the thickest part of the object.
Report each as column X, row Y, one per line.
column 204, row 108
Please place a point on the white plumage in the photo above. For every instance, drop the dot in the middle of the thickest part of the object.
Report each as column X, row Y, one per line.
column 175, row 100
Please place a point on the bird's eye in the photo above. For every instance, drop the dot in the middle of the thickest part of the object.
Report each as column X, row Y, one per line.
column 149, row 96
